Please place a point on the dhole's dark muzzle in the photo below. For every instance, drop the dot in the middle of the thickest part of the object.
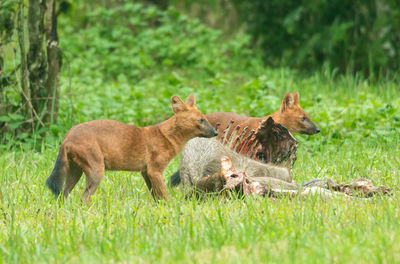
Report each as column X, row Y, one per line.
column 211, row 132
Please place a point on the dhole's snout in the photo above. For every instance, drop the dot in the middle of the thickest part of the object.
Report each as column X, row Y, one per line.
column 312, row 130
column 209, row 132
column 215, row 132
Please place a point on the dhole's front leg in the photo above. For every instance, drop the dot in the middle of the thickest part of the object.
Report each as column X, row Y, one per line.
column 154, row 181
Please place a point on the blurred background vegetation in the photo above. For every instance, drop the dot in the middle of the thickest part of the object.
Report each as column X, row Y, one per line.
column 124, row 60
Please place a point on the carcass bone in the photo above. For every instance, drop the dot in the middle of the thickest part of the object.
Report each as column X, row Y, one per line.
column 238, row 181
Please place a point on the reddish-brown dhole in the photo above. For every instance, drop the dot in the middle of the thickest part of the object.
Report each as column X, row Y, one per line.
column 100, row 145
column 291, row 115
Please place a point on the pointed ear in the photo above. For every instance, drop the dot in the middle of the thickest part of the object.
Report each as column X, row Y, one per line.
column 287, row 102
column 177, row 104
column 191, row 101
column 296, row 98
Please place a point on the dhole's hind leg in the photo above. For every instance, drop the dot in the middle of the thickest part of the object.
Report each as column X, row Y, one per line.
column 93, row 178
column 73, row 176
column 147, row 181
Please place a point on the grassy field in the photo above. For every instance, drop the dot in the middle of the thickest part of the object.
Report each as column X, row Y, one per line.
column 360, row 138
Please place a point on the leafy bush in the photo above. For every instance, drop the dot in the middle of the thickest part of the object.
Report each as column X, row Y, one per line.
column 135, row 40
column 349, row 35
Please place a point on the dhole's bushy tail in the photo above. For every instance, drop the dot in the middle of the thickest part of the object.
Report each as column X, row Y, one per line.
column 175, row 179
column 56, row 179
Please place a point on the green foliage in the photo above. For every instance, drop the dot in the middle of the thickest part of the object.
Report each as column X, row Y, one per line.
column 7, row 19
column 348, row 35
column 128, row 59
column 119, row 45
column 136, row 41
column 7, row 13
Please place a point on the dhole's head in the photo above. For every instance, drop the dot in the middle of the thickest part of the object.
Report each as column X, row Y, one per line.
column 190, row 120
column 293, row 117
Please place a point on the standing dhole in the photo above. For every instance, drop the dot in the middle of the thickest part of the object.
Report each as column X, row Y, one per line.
column 291, row 115
column 100, row 145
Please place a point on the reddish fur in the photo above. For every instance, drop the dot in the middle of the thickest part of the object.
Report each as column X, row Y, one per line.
column 290, row 115
column 100, row 145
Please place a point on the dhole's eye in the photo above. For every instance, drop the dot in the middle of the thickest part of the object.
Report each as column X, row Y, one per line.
column 303, row 119
column 201, row 121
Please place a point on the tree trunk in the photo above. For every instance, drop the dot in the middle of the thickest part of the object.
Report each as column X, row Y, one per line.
column 43, row 74
column 54, row 64
column 26, row 94
column 36, row 55
column 39, row 68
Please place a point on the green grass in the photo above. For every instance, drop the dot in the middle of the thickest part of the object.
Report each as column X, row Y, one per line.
column 359, row 138
column 124, row 224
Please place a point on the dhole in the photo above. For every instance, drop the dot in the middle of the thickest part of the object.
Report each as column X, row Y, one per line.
column 291, row 115
column 100, row 145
